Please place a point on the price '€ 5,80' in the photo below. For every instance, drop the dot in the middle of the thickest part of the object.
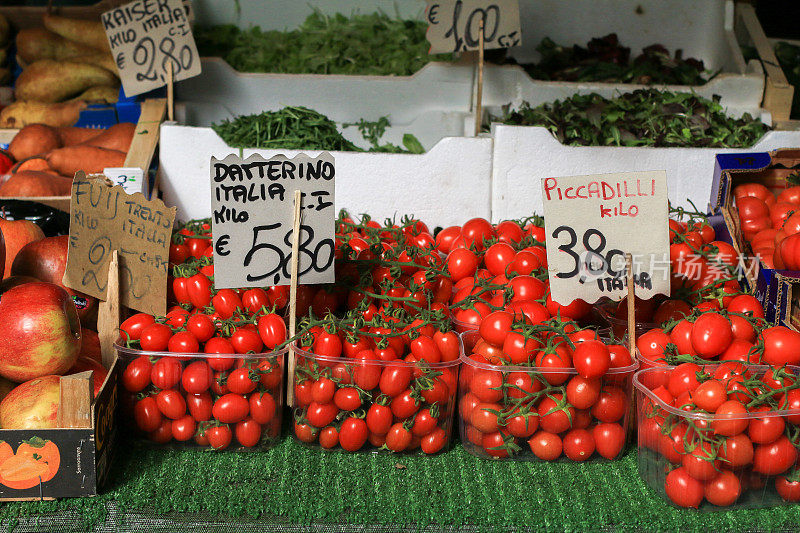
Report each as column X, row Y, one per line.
column 252, row 221
column 147, row 37
column 592, row 222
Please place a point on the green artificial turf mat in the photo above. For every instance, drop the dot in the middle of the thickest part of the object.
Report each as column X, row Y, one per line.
column 295, row 484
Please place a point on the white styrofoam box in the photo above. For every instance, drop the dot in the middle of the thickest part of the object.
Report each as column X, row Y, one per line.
column 525, row 154
column 447, row 185
column 429, row 126
column 342, row 98
column 510, row 84
column 704, row 30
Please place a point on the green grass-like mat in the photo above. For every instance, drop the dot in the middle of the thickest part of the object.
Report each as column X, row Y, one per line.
column 307, row 486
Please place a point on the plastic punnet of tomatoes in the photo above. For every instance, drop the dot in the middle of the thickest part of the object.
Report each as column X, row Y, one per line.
column 219, row 401
column 367, row 398
column 531, row 392
column 720, row 436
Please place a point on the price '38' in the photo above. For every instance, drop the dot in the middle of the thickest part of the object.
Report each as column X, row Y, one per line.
column 273, row 264
column 587, row 264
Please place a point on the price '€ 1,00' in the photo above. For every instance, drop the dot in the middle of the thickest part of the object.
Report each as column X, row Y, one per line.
column 252, row 204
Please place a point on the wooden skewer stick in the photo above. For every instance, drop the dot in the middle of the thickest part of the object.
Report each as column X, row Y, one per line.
column 479, row 103
column 298, row 200
column 170, row 93
column 631, row 307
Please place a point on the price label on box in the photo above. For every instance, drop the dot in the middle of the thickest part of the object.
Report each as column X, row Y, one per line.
column 592, row 222
column 455, row 25
column 130, row 179
column 146, row 37
column 252, row 202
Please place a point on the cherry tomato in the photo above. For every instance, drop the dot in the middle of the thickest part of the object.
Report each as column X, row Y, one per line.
column 248, row 432
column 230, row 408
column 196, row 377
column 155, row 337
column 321, row 414
column 133, row 326
column 147, row 415
column 683, row 489
column 353, row 434
column 398, row 438
column 166, row 372
column 199, row 406
column 546, row 446
column 219, row 437
column 137, row 374
column 171, row 404
column 272, row 330
column 609, row 439
column 578, row 444
column 433, row 441
column 242, row 381
column 201, row 327
column 724, row 489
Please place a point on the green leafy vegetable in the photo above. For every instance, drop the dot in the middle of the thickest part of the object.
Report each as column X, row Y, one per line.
column 644, row 117
column 605, row 60
column 301, row 128
column 324, row 44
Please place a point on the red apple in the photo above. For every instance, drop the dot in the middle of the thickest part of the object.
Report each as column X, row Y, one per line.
column 83, row 364
column 46, row 260
column 16, row 234
column 32, row 405
column 90, row 345
column 41, row 332
column 13, row 281
column 6, row 386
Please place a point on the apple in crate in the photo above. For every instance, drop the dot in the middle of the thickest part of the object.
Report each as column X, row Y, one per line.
column 32, row 405
column 46, row 260
column 41, row 333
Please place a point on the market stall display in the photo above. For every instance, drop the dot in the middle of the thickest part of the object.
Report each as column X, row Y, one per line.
column 445, row 341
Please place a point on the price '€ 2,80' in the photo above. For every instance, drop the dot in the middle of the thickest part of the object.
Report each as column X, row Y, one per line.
column 253, row 205
column 593, row 222
column 147, row 38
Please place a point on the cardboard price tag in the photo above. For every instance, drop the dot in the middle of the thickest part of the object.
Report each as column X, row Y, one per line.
column 252, row 202
column 454, row 25
column 130, row 179
column 147, row 36
column 105, row 218
column 591, row 222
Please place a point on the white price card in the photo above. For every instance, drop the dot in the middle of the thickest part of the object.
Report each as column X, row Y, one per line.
column 592, row 222
column 252, row 202
column 146, row 37
column 454, row 25
column 131, row 179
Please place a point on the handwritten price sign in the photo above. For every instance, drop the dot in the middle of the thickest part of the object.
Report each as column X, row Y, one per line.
column 105, row 218
column 253, row 203
column 454, row 25
column 591, row 222
column 147, row 36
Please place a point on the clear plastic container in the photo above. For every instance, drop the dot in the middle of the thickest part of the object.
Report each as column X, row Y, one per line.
column 693, row 458
column 220, row 401
column 523, row 412
column 373, row 405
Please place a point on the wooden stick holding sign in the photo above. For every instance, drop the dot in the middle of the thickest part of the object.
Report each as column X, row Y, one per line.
column 478, row 103
column 108, row 313
column 170, row 93
column 631, row 306
column 298, row 206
